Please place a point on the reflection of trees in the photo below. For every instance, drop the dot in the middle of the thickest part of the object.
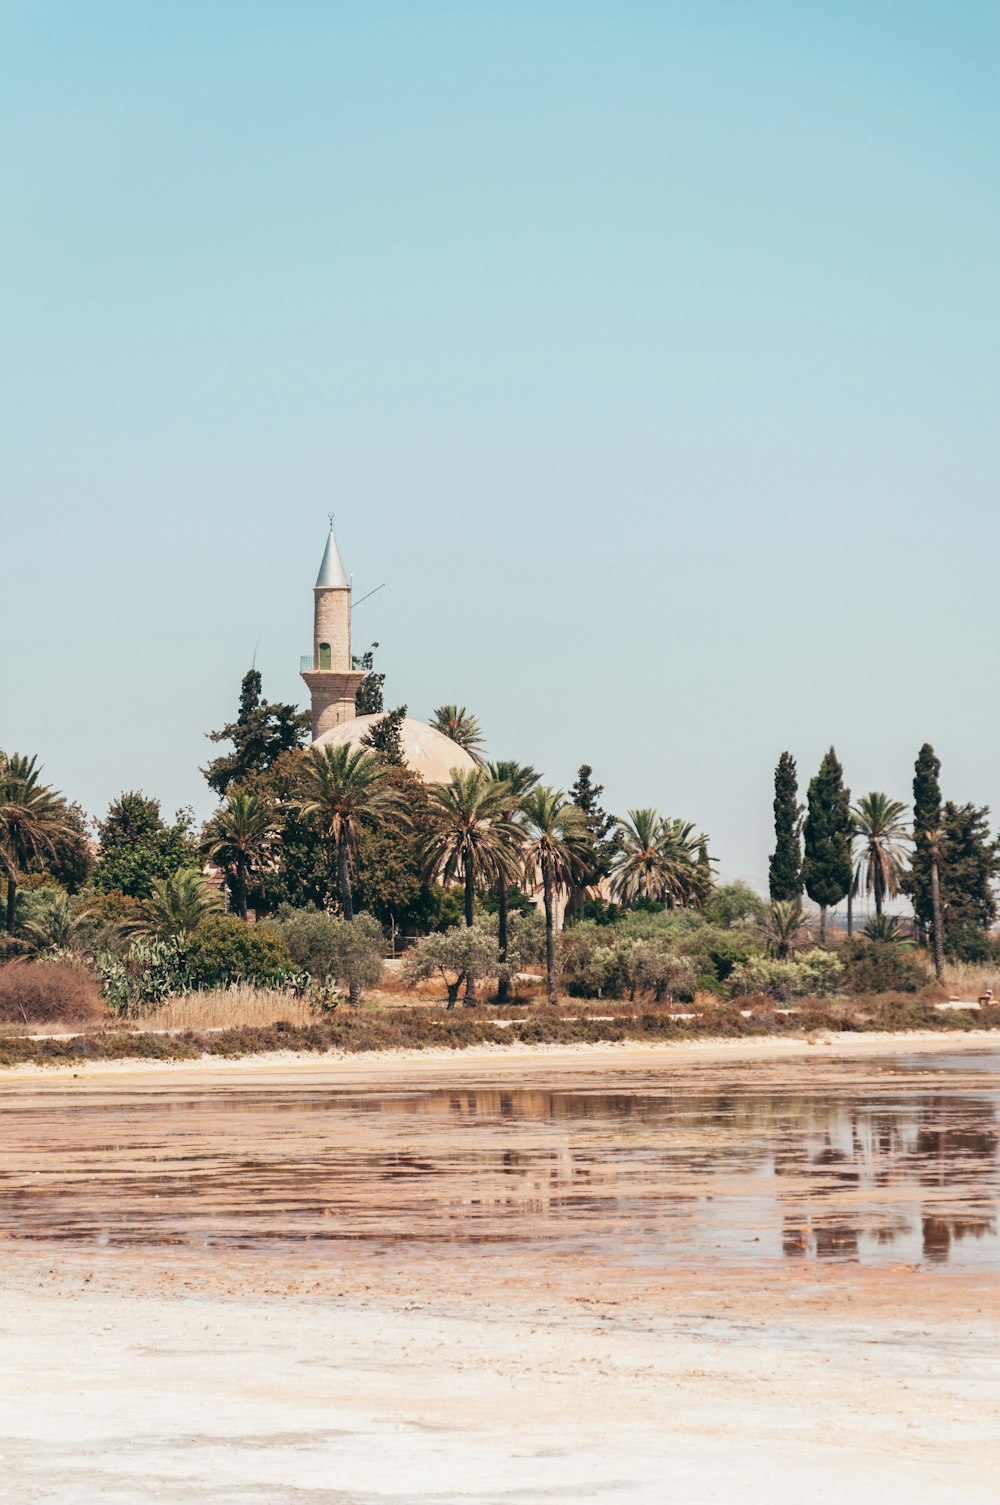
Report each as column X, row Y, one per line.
column 830, row 1158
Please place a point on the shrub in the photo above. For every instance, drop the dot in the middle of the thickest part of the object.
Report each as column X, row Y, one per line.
column 358, row 952
column 311, row 938
column 813, row 974
column 460, row 955
column 594, row 961
column 225, row 949
column 48, row 993
column 880, row 967
column 656, row 968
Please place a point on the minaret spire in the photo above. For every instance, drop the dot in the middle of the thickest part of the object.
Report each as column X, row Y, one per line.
column 331, row 676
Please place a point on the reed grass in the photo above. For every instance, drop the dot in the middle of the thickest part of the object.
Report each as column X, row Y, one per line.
column 968, row 980
column 239, row 1007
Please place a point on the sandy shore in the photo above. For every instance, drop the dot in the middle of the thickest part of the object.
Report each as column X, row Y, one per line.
column 487, row 1309
column 372, row 1065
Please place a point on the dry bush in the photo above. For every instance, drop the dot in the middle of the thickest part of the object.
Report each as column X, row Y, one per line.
column 49, row 993
column 967, row 980
column 239, row 1007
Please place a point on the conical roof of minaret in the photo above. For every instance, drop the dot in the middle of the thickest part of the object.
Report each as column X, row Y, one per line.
column 331, row 571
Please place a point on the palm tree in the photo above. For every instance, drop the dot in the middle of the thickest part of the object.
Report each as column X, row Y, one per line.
column 556, row 846
column 33, row 818
column 343, row 789
column 688, row 878
column 454, row 721
column 935, row 847
column 639, row 872
column 883, row 840
column 518, row 779
column 238, row 838
column 176, row 908
column 882, row 928
column 783, row 927
column 658, row 860
column 53, row 923
column 471, row 834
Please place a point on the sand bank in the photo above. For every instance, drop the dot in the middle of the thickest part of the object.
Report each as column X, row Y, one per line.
column 371, row 1065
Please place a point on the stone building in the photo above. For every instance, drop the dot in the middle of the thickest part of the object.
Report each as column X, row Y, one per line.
column 333, row 682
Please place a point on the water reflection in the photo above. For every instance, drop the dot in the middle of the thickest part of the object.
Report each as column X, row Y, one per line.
column 857, row 1164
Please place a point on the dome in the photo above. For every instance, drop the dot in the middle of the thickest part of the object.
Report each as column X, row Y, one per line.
column 427, row 752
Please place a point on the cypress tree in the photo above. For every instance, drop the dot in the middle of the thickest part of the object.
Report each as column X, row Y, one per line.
column 785, row 870
column 826, row 867
column 926, row 818
column 969, row 867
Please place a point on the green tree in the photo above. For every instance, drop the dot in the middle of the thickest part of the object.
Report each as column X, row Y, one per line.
column 384, row 737
column 49, row 920
column 828, row 829
column 734, row 904
column 470, row 833
column 518, row 779
column 262, row 731
column 926, row 818
column 239, row 839
column 327, row 946
column 969, row 866
column 883, row 841
column 71, row 860
column 556, row 849
column 784, row 928
column 455, row 722
column 368, row 695
column 657, row 861
column 175, row 908
column 462, row 955
column 33, row 820
column 136, row 847
column 343, row 790
column 785, row 867
column 934, row 837
column 603, row 829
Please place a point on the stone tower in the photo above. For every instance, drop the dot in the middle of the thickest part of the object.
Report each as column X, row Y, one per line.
column 331, row 677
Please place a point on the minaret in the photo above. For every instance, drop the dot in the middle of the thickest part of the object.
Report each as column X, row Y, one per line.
column 331, row 678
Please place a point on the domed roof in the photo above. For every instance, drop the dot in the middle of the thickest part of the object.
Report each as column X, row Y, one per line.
column 427, row 752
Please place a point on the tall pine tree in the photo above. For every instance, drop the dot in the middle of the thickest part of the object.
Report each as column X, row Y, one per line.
column 926, row 818
column 602, row 828
column 262, row 731
column 969, row 867
column 785, row 869
column 826, row 866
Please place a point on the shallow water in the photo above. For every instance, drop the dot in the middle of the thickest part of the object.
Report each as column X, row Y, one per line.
column 868, row 1162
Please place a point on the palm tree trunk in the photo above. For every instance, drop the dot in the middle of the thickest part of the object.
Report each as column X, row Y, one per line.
column 346, row 897
column 938, row 922
column 503, row 982
column 241, row 889
column 850, row 910
column 550, row 939
column 344, row 875
column 470, row 915
column 878, row 898
column 11, row 902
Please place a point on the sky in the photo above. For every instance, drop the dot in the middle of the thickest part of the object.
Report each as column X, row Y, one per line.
column 647, row 352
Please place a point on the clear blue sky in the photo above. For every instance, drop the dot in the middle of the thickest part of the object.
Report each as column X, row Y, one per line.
column 648, row 351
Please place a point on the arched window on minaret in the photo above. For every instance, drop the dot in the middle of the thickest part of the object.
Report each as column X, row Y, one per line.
column 324, row 656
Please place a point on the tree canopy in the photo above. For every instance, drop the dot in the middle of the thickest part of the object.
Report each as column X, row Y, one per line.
column 262, row 731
